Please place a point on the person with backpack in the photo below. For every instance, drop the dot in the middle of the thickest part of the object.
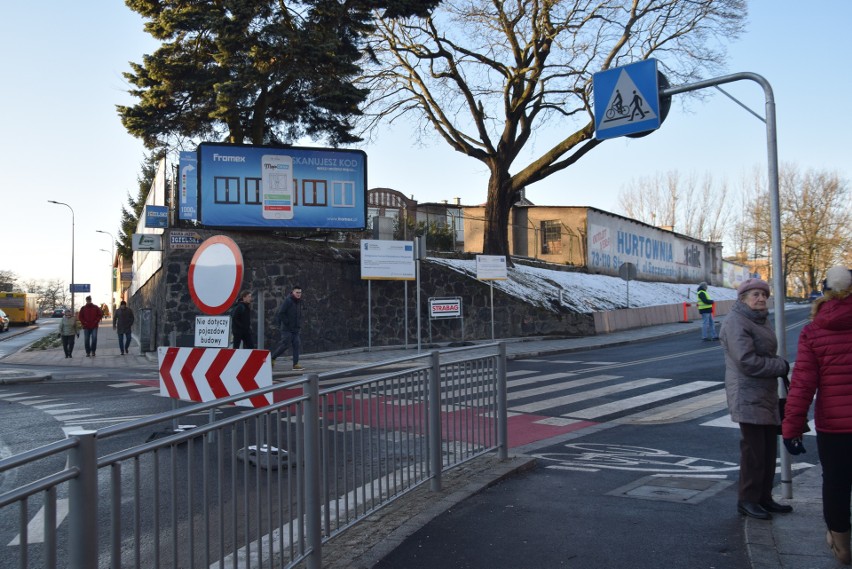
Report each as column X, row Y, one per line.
column 289, row 321
column 241, row 322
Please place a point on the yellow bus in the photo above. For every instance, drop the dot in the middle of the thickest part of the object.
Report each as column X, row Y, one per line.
column 20, row 307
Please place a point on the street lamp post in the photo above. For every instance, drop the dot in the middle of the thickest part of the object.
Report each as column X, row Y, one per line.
column 111, row 300
column 112, row 283
column 71, row 288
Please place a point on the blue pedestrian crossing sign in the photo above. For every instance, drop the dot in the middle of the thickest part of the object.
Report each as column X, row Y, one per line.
column 627, row 100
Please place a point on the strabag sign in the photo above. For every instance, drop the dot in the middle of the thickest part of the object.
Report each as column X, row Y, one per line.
column 445, row 308
column 281, row 187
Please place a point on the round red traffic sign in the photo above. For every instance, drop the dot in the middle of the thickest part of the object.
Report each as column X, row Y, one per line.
column 216, row 275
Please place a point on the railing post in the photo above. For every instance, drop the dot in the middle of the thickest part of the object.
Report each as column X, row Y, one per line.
column 313, row 514
column 83, row 502
column 433, row 403
column 502, row 405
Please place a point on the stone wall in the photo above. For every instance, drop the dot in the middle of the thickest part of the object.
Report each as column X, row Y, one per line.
column 335, row 298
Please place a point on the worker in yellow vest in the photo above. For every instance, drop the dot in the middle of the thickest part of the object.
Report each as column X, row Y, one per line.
column 705, row 308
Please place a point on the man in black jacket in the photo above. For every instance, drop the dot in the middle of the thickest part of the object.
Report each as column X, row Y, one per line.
column 241, row 323
column 289, row 320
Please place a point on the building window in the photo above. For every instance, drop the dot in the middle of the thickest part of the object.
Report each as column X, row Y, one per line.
column 252, row 191
column 551, row 237
column 226, row 189
column 315, row 193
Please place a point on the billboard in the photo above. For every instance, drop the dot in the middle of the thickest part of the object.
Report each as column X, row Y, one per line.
column 268, row 187
column 658, row 255
column 188, row 190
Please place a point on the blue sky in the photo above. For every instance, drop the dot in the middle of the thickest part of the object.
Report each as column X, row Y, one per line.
column 62, row 140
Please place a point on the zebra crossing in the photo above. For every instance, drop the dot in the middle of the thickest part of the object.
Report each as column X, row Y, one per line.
column 604, row 397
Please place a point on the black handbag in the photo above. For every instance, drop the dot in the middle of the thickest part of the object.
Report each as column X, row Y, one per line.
column 782, row 402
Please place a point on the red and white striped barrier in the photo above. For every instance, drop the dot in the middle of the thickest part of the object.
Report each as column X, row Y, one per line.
column 207, row 374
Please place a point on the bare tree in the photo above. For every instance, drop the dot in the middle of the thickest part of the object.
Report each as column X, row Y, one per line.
column 8, row 280
column 816, row 217
column 54, row 293
column 485, row 74
column 815, row 222
column 688, row 205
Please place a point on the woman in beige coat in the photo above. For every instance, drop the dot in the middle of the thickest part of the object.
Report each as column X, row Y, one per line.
column 752, row 369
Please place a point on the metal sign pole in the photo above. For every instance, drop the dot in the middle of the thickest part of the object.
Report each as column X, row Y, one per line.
column 775, row 213
column 405, row 325
column 369, row 316
column 491, row 283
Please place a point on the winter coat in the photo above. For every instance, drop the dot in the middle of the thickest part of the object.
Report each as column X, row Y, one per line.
column 123, row 320
column 752, row 367
column 69, row 326
column 241, row 323
column 823, row 366
column 289, row 316
column 90, row 315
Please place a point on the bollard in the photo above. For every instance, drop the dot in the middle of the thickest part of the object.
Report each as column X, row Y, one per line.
column 686, row 305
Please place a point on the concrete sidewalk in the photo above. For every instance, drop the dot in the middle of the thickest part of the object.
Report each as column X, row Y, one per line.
column 794, row 541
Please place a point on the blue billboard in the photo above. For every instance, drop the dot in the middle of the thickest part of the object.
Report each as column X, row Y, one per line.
column 188, row 191
column 281, row 187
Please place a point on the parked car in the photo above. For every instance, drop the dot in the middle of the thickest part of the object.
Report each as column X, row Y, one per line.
column 4, row 322
column 57, row 313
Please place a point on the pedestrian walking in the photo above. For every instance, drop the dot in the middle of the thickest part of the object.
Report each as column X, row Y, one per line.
column 289, row 321
column 69, row 329
column 752, row 369
column 90, row 317
column 705, row 309
column 122, row 323
column 824, row 368
column 241, row 322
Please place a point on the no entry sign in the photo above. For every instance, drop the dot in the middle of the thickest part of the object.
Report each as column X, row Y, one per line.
column 216, row 275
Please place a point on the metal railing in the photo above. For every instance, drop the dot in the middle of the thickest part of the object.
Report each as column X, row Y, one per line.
column 261, row 487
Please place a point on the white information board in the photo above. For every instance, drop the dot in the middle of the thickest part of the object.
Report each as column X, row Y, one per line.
column 212, row 331
column 387, row 260
column 491, row 268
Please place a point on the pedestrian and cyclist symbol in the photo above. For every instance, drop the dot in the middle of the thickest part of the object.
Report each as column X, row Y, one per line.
column 618, row 110
column 626, row 100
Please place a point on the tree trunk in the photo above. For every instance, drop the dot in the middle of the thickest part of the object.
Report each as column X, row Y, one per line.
column 497, row 209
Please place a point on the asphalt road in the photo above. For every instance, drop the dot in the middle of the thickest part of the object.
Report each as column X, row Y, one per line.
column 630, row 491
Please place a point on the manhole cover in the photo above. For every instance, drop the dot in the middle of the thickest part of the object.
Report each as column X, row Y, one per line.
column 685, row 490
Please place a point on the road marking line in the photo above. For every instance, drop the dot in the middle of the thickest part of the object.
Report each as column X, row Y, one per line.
column 563, row 386
column 35, row 528
column 639, row 400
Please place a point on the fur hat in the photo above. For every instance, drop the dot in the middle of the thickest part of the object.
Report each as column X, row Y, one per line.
column 751, row 284
column 702, row 286
column 838, row 278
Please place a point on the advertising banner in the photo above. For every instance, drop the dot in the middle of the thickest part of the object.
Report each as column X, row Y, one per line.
column 281, row 188
column 188, row 189
column 156, row 216
column 184, row 240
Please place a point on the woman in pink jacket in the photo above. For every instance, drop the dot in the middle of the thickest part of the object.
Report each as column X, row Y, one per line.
column 824, row 366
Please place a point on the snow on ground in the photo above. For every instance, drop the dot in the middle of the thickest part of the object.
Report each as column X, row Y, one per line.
column 582, row 292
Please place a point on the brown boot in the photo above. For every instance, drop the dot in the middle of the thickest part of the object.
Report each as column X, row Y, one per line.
column 839, row 544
